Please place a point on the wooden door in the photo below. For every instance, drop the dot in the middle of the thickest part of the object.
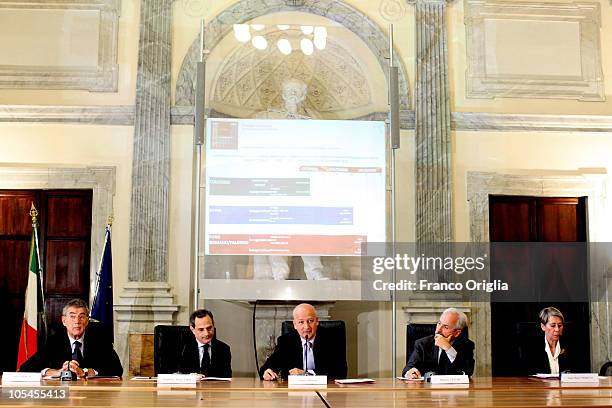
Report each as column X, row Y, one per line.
column 64, row 240
column 534, row 219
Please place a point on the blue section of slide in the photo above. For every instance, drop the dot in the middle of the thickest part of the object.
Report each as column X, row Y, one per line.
column 281, row 215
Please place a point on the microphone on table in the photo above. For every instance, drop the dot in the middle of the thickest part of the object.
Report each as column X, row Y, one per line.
column 67, row 375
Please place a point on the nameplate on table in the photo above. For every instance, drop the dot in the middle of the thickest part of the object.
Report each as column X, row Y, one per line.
column 307, row 380
column 450, row 379
column 20, row 377
column 579, row 378
column 186, row 379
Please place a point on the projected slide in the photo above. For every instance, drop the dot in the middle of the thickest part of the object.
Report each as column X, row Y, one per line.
column 294, row 187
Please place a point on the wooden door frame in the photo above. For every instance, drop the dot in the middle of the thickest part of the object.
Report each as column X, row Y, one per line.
column 545, row 184
column 99, row 179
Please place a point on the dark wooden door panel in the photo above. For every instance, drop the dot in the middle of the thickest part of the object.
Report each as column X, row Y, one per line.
column 561, row 220
column 512, row 219
column 65, row 261
column 15, row 212
column 13, row 265
column 69, row 215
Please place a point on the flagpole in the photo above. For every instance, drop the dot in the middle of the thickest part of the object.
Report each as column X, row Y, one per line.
column 34, row 215
column 109, row 224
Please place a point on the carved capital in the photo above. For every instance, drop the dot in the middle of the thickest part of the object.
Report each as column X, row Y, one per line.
column 416, row 2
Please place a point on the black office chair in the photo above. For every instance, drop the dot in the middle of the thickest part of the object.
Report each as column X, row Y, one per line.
column 336, row 328
column 168, row 342
column 415, row 331
column 606, row 369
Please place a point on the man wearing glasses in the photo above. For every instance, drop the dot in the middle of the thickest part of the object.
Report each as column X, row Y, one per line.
column 85, row 353
column 445, row 352
column 309, row 348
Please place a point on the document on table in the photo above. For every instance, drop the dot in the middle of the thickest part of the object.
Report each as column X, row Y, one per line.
column 410, row 379
column 356, row 381
column 546, row 376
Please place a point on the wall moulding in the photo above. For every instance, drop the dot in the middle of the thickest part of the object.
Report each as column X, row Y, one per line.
column 88, row 115
column 119, row 115
column 100, row 75
column 533, row 50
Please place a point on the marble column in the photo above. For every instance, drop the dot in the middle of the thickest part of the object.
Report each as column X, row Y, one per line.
column 434, row 222
column 147, row 298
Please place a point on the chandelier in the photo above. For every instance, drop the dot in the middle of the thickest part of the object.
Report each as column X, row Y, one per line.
column 310, row 37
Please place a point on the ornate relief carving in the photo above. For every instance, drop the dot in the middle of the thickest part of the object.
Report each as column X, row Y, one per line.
column 245, row 10
column 582, row 20
column 250, row 79
column 101, row 77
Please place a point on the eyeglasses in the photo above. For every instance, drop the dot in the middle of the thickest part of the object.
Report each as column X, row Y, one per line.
column 74, row 317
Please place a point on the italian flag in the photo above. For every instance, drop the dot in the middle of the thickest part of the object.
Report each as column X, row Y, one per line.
column 28, row 342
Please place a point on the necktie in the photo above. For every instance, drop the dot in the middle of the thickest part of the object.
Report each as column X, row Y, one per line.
column 205, row 365
column 443, row 364
column 76, row 353
column 309, row 364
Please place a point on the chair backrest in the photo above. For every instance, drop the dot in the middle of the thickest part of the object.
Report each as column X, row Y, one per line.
column 415, row 331
column 336, row 329
column 606, row 369
column 167, row 346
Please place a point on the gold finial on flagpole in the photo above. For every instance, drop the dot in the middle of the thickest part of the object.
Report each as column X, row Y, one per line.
column 34, row 214
column 109, row 220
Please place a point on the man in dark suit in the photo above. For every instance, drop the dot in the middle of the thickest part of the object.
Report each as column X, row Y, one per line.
column 83, row 351
column 444, row 352
column 310, row 348
column 204, row 354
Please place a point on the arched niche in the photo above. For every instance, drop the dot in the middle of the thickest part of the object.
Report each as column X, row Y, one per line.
column 371, row 38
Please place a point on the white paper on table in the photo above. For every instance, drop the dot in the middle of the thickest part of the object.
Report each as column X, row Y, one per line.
column 356, row 381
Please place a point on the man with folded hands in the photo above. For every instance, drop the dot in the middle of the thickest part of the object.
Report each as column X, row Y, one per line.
column 80, row 348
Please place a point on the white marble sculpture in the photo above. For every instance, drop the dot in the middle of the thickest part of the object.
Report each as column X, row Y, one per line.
column 277, row 267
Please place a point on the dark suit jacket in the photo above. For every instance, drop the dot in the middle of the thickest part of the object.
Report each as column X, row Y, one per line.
column 425, row 357
column 535, row 359
column 330, row 357
column 98, row 353
column 220, row 359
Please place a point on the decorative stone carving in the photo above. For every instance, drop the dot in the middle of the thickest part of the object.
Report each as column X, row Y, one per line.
column 245, row 10
column 578, row 75
column 249, row 80
column 103, row 77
